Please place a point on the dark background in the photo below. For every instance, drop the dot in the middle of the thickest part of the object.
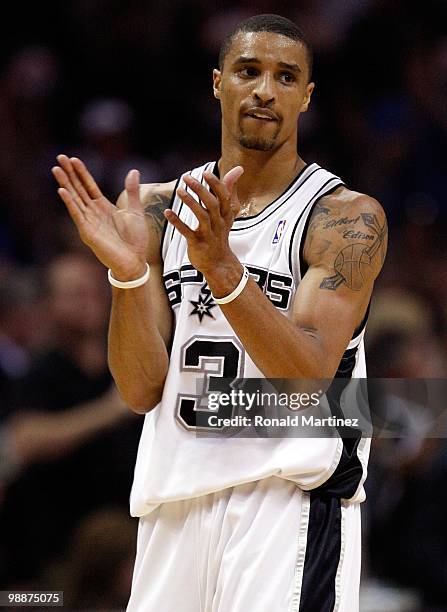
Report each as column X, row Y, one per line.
column 126, row 85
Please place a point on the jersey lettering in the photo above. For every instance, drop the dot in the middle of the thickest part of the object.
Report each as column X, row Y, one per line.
column 279, row 290
column 188, row 274
column 259, row 275
column 173, row 287
column 277, row 287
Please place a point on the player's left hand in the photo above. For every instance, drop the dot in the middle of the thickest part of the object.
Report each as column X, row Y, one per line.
column 208, row 246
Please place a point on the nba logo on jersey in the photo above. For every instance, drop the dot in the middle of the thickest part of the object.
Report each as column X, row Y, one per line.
column 279, row 230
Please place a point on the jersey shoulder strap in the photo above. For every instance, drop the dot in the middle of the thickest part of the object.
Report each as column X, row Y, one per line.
column 177, row 205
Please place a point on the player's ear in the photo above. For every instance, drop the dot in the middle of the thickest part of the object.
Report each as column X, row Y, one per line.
column 306, row 101
column 217, row 80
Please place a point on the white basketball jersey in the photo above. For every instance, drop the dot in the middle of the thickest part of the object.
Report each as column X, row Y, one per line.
column 173, row 463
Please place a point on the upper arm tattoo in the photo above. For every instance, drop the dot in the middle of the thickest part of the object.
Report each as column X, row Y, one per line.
column 155, row 206
column 319, row 210
column 353, row 263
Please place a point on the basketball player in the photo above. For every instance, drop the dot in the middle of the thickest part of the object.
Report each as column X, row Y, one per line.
column 265, row 269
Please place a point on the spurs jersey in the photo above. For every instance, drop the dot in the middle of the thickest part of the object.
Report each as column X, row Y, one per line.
column 173, row 463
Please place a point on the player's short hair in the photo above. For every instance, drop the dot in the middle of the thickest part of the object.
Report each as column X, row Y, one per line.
column 267, row 23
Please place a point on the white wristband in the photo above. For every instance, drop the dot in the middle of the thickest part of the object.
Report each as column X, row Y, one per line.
column 130, row 284
column 233, row 295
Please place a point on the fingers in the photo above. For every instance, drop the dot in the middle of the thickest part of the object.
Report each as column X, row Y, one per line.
column 74, row 178
column 85, row 177
column 232, row 176
column 230, row 180
column 198, row 210
column 75, row 183
column 132, row 185
column 213, row 208
column 210, row 202
column 220, row 190
column 64, row 181
column 73, row 209
column 224, row 189
column 202, row 215
column 184, row 230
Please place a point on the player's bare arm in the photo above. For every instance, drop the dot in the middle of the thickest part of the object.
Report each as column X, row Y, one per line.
column 124, row 238
column 329, row 303
column 155, row 199
column 344, row 250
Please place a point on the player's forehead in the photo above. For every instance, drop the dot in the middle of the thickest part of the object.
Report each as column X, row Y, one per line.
column 267, row 47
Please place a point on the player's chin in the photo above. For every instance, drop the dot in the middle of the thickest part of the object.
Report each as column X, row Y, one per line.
column 256, row 143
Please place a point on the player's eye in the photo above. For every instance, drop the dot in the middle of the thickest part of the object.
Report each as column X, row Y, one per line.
column 248, row 72
column 287, row 77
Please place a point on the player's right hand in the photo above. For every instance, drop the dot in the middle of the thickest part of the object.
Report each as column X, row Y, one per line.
column 118, row 237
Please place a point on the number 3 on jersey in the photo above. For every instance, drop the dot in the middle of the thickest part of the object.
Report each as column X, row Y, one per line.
column 216, row 361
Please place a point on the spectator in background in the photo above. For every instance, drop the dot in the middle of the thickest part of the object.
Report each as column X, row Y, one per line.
column 407, row 540
column 107, row 126
column 22, row 331
column 75, row 439
column 392, row 104
column 97, row 571
column 27, row 91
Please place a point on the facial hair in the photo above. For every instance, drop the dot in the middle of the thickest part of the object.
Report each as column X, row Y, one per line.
column 258, row 143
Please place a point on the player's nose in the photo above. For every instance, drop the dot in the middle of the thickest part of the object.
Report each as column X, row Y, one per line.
column 264, row 89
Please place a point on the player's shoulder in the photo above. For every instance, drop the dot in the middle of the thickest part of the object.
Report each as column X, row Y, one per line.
column 155, row 198
column 151, row 194
column 342, row 219
column 344, row 215
column 344, row 202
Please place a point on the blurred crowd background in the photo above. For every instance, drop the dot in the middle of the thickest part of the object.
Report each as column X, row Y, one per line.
column 125, row 85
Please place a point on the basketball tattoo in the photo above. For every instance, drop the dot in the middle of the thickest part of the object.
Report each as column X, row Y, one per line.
column 352, row 262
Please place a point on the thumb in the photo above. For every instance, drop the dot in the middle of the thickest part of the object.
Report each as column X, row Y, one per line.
column 232, row 176
column 132, row 185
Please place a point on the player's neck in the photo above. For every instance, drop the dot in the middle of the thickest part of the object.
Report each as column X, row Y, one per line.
column 266, row 173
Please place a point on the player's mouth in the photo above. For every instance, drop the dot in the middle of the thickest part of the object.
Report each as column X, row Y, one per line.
column 261, row 114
